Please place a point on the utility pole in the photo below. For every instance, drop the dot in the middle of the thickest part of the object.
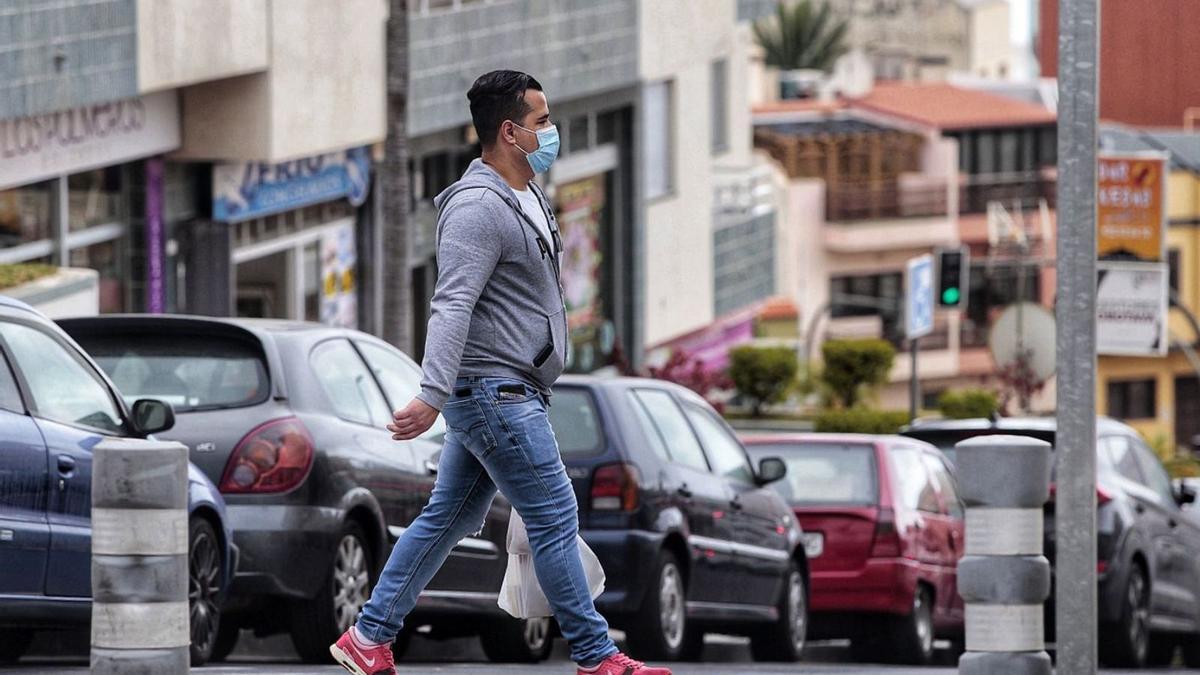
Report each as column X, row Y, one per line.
column 393, row 183
column 1078, row 71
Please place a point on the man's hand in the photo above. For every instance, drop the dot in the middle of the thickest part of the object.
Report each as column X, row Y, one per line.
column 412, row 421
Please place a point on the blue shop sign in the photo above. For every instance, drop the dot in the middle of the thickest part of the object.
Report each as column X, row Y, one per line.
column 245, row 190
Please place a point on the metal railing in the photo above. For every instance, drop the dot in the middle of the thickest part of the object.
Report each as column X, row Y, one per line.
column 1023, row 188
column 884, row 201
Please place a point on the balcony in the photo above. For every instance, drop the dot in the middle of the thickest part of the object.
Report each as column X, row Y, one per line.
column 885, row 201
column 1025, row 189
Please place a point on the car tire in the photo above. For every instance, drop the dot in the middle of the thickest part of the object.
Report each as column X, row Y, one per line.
column 205, row 578
column 1126, row 644
column 518, row 640
column 227, row 640
column 318, row 622
column 784, row 640
column 659, row 630
column 1191, row 650
column 14, row 642
column 911, row 637
column 1162, row 650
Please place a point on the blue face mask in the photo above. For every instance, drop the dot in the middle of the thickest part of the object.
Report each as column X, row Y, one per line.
column 547, row 150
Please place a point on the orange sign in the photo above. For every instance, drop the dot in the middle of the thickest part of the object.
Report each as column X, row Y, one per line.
column 1131, row 207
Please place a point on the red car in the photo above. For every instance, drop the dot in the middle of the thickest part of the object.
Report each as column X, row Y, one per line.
column 883, row 528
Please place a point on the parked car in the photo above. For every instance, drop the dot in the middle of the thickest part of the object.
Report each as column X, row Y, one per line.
column 288, row 418
column 1148, row 550
column 55, row 406
column 883, row 529
column 691, row 538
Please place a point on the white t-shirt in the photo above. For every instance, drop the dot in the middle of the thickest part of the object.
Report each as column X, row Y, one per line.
column 533, row 208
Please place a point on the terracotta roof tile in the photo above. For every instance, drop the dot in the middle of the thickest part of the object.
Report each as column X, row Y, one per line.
column 946, row 107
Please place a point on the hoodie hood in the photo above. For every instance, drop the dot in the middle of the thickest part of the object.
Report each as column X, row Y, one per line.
column 479, row 175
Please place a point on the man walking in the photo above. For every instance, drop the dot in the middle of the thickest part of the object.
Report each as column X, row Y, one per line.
column 497, row 342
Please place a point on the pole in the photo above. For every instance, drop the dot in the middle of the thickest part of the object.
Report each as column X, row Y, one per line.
column 914, row 383
column 1078, row 69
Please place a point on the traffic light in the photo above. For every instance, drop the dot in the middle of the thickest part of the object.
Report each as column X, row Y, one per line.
column 952, row 274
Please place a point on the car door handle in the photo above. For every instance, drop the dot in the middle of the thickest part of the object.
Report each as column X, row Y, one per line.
column 431, row 467
column 736, row 504
column 66, row 466
column 1139, row 508
column 684, row 491
column 1173, row 523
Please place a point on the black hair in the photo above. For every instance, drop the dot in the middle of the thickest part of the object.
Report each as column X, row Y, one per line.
column 496, row 97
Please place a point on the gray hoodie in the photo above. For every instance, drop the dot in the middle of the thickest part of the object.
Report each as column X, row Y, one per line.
column 498, row 307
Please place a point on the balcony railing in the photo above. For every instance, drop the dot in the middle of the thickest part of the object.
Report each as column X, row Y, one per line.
column 884, row 201
column 1025, row 189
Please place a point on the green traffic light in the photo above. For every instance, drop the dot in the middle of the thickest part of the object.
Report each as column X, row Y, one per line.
column 950, row 296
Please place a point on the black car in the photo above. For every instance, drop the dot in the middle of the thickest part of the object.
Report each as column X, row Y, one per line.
column 690, row 538
column 288, row 419
column 1148, row 549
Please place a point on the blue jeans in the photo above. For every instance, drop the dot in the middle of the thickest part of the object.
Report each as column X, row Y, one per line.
column 505, row 441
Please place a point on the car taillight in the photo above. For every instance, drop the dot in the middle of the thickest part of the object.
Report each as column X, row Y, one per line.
column 887, row 538
column 1103, row 496
column 615, row 488
column 274, row 457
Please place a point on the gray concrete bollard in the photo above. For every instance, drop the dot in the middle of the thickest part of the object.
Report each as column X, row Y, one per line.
column 140, row 619
column 1004, row 579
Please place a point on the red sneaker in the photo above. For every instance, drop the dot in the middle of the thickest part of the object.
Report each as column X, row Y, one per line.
column 619, row 664
column 360, row 659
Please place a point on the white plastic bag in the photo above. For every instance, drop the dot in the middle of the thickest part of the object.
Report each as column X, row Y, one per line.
column 520, row 593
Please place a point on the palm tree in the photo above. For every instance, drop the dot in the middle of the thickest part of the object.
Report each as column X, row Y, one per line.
column 802, row 36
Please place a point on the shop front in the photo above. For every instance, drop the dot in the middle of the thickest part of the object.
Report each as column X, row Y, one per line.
column 74, row 189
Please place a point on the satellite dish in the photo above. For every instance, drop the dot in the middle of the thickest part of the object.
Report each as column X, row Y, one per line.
column 1029, row 328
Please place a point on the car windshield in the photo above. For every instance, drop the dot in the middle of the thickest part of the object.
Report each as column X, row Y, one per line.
column 824, row 473
column 189, row 372
column 576, row 425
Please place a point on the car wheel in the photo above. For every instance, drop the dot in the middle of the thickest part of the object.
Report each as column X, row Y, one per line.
column 912, row 637
column 659, row 631
column 227, row 639
column 784, row 640
column 204, row 589
column 518, row 640
column 1162, row 650
column 1126, row 644
column 14, row 642
column 320, row 621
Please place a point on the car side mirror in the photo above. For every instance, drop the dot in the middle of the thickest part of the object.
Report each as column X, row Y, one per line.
column 771, row 469
column 1185, row 495
column 151, row 416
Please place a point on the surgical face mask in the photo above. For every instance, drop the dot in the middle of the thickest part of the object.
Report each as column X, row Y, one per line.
column 547, row 150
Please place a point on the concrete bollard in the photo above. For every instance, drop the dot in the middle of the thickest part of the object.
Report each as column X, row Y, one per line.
column 140, row 618
column 1004, row 579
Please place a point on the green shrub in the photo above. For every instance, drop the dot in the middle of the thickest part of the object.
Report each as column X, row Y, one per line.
column 861, row 421
column 854, row 365
column 15, row 275
column 968, row 403
column 763, row 375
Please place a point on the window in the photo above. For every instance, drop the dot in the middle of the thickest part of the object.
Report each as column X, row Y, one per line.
column 992, row 288
column 1156, row 476
column 720, row 105
column 1173, row 268
column 95, row 197
column 575, row 422
column 10, row 395
column 725, row 453
column 401, row 381
column 821, row 473
column 26, row 213
column 63, row 387
column 673, row 428
column 1131, row 399
column 914, row 487
column 945, row 484
column 885, row 288
column 656, row 116
column 191, row 372
column 649, row 430
column 1119, row 453
column 348, row 384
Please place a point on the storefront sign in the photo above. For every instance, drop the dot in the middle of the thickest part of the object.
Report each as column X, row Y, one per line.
column 246, row 190
column 339, row 292
column 1131, row 309
column 54, row 144
column 1131, row 207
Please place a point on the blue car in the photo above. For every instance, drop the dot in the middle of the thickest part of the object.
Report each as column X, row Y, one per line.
column 55, row 406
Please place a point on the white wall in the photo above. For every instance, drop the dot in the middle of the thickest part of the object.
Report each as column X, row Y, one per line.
column 325, row 88
column 181, row 42
column 992, row 53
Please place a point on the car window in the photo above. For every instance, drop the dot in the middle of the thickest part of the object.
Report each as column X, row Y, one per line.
column 575, row 422
column 1156, row 476
column 673, row 427
column 1121, row 458
column 824, row 473
column 191, row 372
column 657, row 445
column 945, row 484
column 348, row 384
column 64, row 388
column 725, row 453
column 10, row 395
column 915, row 488
column 401, row 380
